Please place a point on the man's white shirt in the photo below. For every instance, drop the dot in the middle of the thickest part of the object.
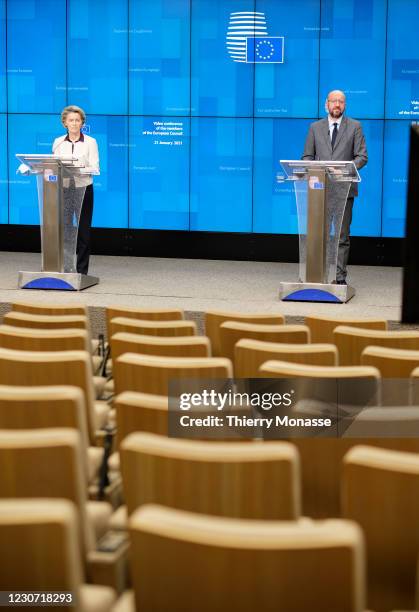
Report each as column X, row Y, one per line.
column 332, row 122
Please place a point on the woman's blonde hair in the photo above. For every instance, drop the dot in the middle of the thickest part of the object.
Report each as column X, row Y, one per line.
column 73, row 109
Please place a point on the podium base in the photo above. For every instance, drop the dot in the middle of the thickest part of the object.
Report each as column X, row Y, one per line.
column 316, row 292
column 57, row 281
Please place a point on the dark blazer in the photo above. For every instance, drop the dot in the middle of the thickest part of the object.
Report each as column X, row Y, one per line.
column 349, row 146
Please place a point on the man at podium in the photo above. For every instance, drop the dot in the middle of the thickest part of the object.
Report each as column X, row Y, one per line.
column 338, row 138
column 85, row 148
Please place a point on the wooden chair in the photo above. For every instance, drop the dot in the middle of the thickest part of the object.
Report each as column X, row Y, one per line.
column 136, row 412
column 165, row 346
column 214, row 318
column 338, row 393
column 181, row 346
column 152, row 328
column 55, row 310
column 253, row 480
column 43, row 321
column 356, row 385
column 282, row 566
column 151, row 374
column 47, row 321
column 414, row 393
column 28, row 339
column 395, row 366
column 322, row 327
column 50, row 406
column 48, row 463
column 34, row 368
column 380, row 490
column 41, row 552
column 142, row 314
column 351, row 341
column 50, row 309
column 392, row 362
column 395, row 428
column 231, row 332
column 140, row 412
column 249, row 355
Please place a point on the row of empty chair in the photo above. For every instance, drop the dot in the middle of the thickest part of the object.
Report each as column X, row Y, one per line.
column 214, row 487
column 224, row 330
column 379, row 492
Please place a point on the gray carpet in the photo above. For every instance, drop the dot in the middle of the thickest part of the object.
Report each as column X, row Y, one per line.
column 198, row 285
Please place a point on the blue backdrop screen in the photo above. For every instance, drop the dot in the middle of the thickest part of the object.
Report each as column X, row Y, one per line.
column 36, row 56
column 97, row 55
column 3, row 94
column 194, row 102
column 159, row 57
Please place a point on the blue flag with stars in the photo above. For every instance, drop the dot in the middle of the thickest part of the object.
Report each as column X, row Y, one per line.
column 265, row 49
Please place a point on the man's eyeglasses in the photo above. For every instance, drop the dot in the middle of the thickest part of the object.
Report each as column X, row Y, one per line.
column 337, row 101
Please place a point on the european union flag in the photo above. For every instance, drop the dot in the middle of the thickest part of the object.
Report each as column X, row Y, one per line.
column 265, row 49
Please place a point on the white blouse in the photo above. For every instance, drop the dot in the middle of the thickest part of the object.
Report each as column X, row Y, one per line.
column 85, row 150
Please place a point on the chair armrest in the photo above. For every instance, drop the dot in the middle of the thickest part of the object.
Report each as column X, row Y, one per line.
column 109, row 568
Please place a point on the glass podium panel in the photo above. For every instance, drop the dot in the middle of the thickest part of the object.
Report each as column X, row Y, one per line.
column 335, row 202
column 321, row 192
column 60, row 198
column 73, row 196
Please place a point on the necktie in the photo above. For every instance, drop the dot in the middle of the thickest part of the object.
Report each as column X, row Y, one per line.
column 334, row 134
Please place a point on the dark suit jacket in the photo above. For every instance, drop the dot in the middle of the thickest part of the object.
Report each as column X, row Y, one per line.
column 349, row 146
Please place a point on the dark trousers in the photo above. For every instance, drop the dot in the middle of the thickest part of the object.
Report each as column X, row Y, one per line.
column 344, row 242
column 83, row 235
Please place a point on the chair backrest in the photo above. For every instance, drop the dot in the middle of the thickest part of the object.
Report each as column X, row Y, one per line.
column 35, row 368
column 231, row 332
column 45, row 463
column 280, row 565
column 43, row 407
column 152, row 328
column 351, row 341
column 32, row 339
column 40, row 546
column 380, row 490
column 392, row 362
column 343, row 386
column 214, row 318
column 414, row 393
column 249, row 355
column 180, row 346
column 142, row 314
column 396, row 366
column 44, row 321
column 285, row 369
column 140, row 412
column 242, row 480
column 400, row 424
column 50, row 309
column 322, row 327
column 151, row 374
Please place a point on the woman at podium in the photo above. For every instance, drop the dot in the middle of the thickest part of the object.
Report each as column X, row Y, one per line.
column 85, row 149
